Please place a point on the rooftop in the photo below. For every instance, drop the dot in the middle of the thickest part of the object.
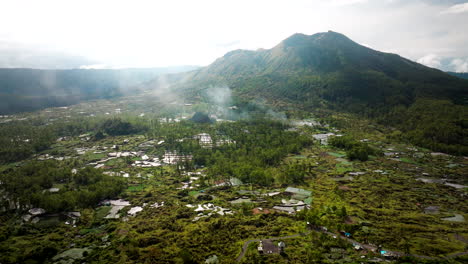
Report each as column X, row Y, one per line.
column 298, row 191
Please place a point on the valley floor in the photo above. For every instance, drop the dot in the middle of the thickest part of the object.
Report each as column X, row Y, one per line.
column 225, row 192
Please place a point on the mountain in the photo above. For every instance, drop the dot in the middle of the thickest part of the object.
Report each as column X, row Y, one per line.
column 330, row 66
column 463, row 75
column 332, row 71
column 30, row 89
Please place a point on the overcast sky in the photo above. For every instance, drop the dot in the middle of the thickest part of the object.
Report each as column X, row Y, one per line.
column 138, row 33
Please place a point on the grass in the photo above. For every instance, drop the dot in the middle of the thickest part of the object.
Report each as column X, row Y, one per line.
column 85, row 231
column 193, row 193
column 408, row 160
column 299, row 157
column 341, row 168
column 136, row 188
column 337, row 155
column 97, row 156
column 48, row 222
column 102, row 211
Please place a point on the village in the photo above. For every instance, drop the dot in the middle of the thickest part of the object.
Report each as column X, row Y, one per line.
column 343, row 208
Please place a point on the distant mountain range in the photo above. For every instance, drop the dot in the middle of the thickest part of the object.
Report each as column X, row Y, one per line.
column 330, row 70
column 31, row 89
column 463, row 75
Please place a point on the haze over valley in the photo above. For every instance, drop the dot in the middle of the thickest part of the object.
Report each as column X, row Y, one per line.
column 288, row 143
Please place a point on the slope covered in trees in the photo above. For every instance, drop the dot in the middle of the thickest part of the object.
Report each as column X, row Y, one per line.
column 30, row 89
column 330, row 70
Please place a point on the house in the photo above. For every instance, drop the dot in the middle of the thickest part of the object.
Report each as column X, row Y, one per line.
column 260, row 248
column 267, row 246
column 287, row 209
column 431, row 209
column 298, row 191
column 204, row 140
column 323, row 138
column 36, row 211
column 260, row 210
column 298, row 194
column 174, row 158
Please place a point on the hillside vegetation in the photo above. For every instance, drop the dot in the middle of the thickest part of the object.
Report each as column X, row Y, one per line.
column 24, row 90
column 328, row 70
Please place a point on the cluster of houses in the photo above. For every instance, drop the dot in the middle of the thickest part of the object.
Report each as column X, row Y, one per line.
column 117, row 205
column 210, row 208
column 300, row 199
column 205, row 140
column 323, row 138
column 48, row 157
column 190, row 184
column 35, row 215
column 172, row 157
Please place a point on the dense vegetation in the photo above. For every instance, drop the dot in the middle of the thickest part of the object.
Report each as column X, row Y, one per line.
column 267, row 156
column 28, row 186
column 328, row 70
column 220, row 193
column 20, row 140
column 354, row 149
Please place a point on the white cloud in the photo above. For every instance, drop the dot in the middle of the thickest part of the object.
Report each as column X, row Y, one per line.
column 456, row 9
column 346, row 2
column 148, row 33
column 94, row 66
column 366, row 45
column 460, row 65
column 431, row 60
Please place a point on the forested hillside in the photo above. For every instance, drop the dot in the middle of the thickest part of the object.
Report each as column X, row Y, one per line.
column 30, row 89
column 328, row 70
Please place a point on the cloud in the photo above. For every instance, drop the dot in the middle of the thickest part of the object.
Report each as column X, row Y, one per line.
column 366, row 45
column 17, row 55
column 460, row 65
column 94, row 66
column 202, row 31
column 346, row 2
column 431, row 60
column 456, row 9
column 229, row 44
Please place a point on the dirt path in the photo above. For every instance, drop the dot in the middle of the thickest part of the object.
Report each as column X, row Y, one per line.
column 365, row 246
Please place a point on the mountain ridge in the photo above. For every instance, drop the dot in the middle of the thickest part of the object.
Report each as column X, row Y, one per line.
column 328, row 69
column 27, row 89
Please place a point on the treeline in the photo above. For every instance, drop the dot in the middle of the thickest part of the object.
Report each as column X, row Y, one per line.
column 27, row 187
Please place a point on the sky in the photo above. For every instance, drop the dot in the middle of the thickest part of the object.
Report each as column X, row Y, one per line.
column 150, row 33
